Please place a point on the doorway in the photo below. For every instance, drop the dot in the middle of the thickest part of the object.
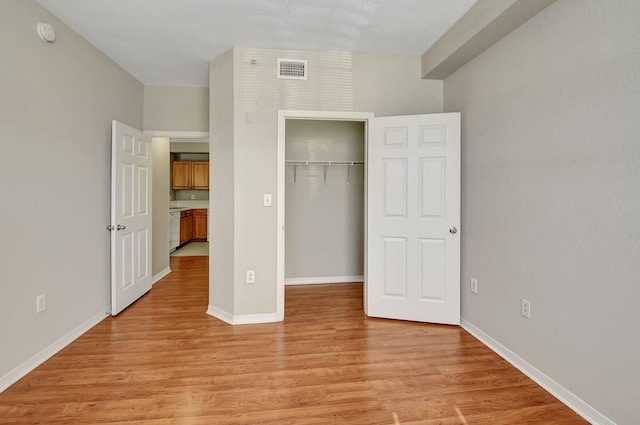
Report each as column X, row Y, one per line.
column 318, row 167
column 412, row 214
column 164, row 197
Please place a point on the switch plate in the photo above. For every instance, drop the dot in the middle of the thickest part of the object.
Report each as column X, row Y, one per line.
column 267, row 200
column 251, row 276
column 525, row 308
column 41, row 303
column 474, row 285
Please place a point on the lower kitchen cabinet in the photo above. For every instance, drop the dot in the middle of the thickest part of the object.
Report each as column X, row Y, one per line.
column 200, row 224
column 186, row 226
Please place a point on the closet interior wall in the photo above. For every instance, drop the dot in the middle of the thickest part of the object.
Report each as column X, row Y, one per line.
column 324, row 204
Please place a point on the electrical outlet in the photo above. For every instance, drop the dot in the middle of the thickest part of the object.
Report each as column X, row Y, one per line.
column 525, row 308
column 474, row 285
column 266, row 200
column 251, row 276
column 41, row 303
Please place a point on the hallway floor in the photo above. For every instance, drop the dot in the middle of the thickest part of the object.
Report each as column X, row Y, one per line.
column 192, row 249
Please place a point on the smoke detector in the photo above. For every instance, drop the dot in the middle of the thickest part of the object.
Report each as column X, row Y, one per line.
column 46, row 32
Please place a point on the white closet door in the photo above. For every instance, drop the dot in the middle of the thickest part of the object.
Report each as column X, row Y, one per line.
column 413, row 241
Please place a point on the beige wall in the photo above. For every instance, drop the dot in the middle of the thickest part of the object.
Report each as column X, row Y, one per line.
column 161, row 193
column 251, row 166
column 392, row 85
column 221, row 192
column 550, row 199
column 176, row 108
column 190, row 147
column 56, row 105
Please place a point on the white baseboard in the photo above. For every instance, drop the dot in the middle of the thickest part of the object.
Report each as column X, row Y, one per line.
column 241, row 319
column 20, row 371
column 160, row 275
column 321, row 280
column 561, row 393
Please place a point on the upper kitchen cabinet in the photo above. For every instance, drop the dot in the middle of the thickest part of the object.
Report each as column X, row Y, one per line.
column 181, row 175
column 200, row 175
column 190, row 175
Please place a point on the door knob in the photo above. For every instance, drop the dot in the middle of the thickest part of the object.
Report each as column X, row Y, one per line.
column 110, row 228
column 121, row 227
column 453, row 230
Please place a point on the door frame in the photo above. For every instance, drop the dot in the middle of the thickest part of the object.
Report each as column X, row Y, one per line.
column 283, row 116
column 177, row 136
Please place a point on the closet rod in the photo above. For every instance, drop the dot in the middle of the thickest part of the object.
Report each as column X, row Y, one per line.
column 324, row 162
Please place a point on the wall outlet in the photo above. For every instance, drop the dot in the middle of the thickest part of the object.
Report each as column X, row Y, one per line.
column 474, row 285
column 525, row 308
column 251, row 276
column 193, row 197
column 267, row 200
column 41, row 303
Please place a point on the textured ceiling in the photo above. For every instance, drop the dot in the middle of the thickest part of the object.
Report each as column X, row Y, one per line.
column 170, row 42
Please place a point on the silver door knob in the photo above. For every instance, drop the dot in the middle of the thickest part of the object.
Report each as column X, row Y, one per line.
column 121, row 227
column 110, row 228
column 453, row 230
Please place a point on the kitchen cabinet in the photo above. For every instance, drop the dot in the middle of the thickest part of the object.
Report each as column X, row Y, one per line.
column 190, row 175
column 200, row 224
column 200, row 175
column 186, row 226
column 181, row 175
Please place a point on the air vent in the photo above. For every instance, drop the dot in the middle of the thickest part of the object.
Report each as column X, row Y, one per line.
column 292, row 69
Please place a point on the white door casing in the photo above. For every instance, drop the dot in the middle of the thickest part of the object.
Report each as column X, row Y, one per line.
column 413, row 215
column 131, row 216
column 283, row 116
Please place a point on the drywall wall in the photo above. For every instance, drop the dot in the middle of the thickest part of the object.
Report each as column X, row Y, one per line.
column 161, row 193
column 190, row 147
column 550, row 199
column 324, row 218
column 221, row 193
column 252, row 166
column 392, row 85
column 176, row 108
column 57, row 101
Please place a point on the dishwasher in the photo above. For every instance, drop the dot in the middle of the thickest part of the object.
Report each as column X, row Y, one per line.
column 174, row 230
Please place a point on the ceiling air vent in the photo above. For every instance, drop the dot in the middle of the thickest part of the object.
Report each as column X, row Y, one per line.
column 292, row 69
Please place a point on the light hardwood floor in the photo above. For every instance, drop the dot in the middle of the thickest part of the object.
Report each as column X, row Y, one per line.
column 165, row 361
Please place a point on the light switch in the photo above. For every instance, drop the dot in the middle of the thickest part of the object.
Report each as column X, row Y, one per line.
column 267, row 200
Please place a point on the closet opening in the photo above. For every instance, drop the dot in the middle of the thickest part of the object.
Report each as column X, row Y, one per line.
column 321, row 199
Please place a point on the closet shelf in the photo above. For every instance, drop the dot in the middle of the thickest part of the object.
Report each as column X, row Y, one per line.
column 325, row 164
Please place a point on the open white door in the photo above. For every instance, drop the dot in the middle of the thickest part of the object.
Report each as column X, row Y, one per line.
column 130, row 216
column 413, row 216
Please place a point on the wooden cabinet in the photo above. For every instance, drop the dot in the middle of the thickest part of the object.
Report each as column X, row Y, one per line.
column 200, row 224
column 186, row 226
column 181, row 175
column 200, row 175
column 190, row 175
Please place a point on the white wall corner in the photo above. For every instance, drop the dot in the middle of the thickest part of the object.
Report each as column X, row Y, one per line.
column 23, row 369
column 241, row 319
column 561, row 393
column 160, row 275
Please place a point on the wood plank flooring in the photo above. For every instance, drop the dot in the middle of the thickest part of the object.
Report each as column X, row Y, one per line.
column 164, row 361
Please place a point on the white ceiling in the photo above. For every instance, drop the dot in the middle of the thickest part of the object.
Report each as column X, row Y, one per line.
column 170, row 42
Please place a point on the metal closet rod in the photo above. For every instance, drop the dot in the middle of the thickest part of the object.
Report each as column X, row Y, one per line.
column 294, row 162
column 325, row 164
